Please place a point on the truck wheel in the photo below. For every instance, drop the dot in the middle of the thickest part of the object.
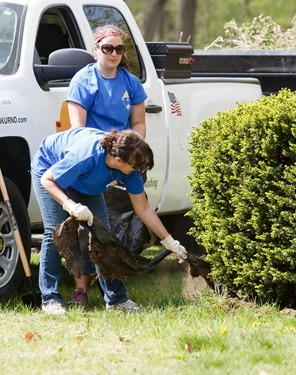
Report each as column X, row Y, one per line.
column 11, row 270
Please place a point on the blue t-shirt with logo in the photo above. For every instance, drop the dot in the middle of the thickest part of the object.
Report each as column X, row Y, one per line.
column 108, row 101
column 77, row 160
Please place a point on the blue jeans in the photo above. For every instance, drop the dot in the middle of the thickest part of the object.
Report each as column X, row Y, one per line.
column 50, row 269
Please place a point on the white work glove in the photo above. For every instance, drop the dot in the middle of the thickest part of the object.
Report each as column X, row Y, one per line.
column 80, row 212
column 175, row 246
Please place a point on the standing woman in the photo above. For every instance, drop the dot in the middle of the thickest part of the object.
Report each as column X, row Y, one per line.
column 106, row 96
column 70, row 171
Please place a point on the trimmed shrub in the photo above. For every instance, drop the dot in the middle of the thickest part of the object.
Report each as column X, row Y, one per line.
column 243, row 187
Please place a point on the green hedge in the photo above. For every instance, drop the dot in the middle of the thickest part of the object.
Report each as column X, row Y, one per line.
column 243, row 187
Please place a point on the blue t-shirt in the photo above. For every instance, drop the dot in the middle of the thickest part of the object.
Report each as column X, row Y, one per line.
column 77, row 160
column 108, row 101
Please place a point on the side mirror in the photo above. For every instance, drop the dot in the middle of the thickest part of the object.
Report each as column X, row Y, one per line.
column 63, row 64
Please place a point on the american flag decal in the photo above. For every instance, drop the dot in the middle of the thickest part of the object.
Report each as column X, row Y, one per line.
column 175, row 105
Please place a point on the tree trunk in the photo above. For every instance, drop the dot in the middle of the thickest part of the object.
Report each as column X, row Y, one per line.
column 153, row 22
column 187, row 11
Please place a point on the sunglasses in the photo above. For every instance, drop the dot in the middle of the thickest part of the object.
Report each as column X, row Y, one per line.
column 141, row 168
column 107, row 49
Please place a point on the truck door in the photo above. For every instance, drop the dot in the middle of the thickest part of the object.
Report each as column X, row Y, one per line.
column 73, row 28
column 141, row 65
column 56, row 27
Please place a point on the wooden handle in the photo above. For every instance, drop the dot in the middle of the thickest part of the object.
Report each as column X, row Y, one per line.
column 16, row 232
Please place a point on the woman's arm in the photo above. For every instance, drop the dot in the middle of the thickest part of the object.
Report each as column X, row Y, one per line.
column 80, row 212
column 52, row 188
column 137, row 119
column 152, row 221
column 148, row 215
column 77, row 115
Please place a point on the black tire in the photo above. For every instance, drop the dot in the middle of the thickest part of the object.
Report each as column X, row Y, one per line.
column 11, row 269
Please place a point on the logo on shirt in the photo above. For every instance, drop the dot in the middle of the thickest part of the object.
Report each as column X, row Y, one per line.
column 126, row 101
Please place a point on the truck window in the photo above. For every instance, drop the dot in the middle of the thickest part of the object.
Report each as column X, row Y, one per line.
column 102, row 15
column 52, row 34
column 46, row 45
column 57, row 29
column 10, row 21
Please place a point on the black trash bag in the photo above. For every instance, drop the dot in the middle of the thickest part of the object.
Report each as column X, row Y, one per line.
column 132, row 232
column 125, row 223
column 114, row 260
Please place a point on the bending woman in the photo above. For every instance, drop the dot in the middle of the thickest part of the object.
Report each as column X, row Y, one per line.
column 70, row 171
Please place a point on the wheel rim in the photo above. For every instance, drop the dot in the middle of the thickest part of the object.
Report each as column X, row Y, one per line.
column 8, row 249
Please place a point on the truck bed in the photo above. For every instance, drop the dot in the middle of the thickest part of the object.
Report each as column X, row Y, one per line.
column 274, row 69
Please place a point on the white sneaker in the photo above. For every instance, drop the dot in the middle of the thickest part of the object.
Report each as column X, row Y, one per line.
column 53, row 308
column 128, row 306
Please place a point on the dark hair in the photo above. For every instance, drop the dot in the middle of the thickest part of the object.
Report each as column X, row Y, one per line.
column 130, row 147
column 101, row 32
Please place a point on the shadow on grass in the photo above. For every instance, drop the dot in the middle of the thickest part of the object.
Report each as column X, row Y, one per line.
column 156, row 288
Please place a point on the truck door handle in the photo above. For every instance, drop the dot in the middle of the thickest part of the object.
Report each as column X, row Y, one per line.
column 153, row 108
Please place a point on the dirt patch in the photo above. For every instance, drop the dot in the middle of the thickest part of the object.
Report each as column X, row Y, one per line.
column 192, row 286
column 289, row 312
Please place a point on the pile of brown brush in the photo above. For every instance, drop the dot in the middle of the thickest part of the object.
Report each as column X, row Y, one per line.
column 113, row 259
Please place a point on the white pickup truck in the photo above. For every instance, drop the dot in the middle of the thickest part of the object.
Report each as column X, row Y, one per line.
column 33, row 84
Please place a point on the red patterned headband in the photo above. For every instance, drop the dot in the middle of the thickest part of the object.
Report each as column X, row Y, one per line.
column 107, row 32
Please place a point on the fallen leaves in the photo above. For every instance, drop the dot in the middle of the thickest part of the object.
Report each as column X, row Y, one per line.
column 223, row 330
column 189, row 347
column 79, row 336
column 124, row 339
column 31, row 336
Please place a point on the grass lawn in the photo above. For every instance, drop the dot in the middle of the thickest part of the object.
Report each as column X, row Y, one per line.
column 182, row 329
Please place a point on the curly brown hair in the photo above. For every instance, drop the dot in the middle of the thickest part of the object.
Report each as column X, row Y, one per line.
column 130, row 147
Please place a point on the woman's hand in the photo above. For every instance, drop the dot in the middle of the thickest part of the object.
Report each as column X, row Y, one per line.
column 175, row 246
column 80, row 212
